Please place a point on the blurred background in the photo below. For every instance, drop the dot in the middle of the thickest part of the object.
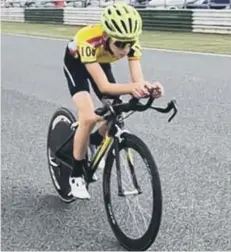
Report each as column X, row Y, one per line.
column 157, row 4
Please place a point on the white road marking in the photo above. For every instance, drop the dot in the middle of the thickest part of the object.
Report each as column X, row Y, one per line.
column 144, row 48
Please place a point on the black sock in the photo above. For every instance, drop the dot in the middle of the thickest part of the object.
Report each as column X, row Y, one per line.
column 77, row 168
column 96, row 138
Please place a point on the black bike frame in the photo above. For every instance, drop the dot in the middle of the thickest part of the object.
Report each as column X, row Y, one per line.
column 111, row 141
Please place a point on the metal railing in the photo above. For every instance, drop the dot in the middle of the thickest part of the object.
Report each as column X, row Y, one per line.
column 206, row 21
column 212, row 21
column 157, row 4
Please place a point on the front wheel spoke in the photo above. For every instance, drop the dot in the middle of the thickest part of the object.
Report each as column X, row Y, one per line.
column 133, row 216
column 124, row 184
column 142, row 210
column 136, row 229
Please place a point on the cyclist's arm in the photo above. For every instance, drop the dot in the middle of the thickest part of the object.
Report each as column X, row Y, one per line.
column 88, row 57
column 136, row 71
column 103, row 84
column 134, row 63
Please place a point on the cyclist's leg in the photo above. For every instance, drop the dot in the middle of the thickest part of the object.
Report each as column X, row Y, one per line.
column 87, row 120
column 97, row 136
column 77, row 80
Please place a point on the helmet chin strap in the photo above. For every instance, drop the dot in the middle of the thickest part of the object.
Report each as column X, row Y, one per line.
column 107, row 45
column 105, row 36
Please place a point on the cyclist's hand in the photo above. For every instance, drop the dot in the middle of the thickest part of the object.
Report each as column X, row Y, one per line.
column 158, row 90
column 140, row 90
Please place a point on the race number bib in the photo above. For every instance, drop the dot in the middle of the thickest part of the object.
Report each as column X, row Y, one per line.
column 87, row 53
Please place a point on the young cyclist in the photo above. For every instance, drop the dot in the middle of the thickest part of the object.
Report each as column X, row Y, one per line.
column 87, row 58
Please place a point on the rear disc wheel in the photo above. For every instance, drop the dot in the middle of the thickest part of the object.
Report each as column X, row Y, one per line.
column 58, row 132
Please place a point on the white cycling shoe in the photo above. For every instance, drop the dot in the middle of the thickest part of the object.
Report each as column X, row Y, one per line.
column 78, row 188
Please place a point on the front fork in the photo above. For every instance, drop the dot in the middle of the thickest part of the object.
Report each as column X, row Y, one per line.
column 121, row 191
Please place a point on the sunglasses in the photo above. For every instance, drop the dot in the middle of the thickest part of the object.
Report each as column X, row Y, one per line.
column 123, row 44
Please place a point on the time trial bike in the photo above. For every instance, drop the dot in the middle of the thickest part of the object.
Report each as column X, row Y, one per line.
column 59, row 152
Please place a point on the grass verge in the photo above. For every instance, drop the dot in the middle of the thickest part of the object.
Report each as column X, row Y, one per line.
column 184, row 41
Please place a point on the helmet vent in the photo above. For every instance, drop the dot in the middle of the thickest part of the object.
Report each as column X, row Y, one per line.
column 126, row 10
column 124, row 26
column 135, row 26
column 118, row 12
column 116, row 26
column 109, row 12
column 130, row 24
column 108, row 26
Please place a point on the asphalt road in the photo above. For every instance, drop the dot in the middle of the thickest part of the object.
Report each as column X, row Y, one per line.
column 193, row 152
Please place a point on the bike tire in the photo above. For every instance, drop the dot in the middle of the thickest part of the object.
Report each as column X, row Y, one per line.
column 144, row 242
column 58, row 131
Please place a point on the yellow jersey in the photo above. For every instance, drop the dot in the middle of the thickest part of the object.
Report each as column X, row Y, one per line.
column 90, row 46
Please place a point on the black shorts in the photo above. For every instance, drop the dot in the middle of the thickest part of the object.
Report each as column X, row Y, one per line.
column 78, row 77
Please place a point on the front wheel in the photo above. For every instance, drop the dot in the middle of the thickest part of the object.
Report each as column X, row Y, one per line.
column 150, row 220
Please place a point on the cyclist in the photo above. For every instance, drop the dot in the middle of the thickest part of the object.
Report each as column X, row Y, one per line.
column 87, row 58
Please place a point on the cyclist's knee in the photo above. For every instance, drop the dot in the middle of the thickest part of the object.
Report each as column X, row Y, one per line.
column 85, row 108
column 88, row 119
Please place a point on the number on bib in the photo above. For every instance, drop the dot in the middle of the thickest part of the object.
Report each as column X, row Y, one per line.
column 88, row 51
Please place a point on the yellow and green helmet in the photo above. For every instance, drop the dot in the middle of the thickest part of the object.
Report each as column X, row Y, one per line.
column 121, row 21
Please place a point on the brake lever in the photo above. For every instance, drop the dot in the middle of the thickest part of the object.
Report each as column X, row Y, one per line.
column 174, row 107
column 171, row 105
